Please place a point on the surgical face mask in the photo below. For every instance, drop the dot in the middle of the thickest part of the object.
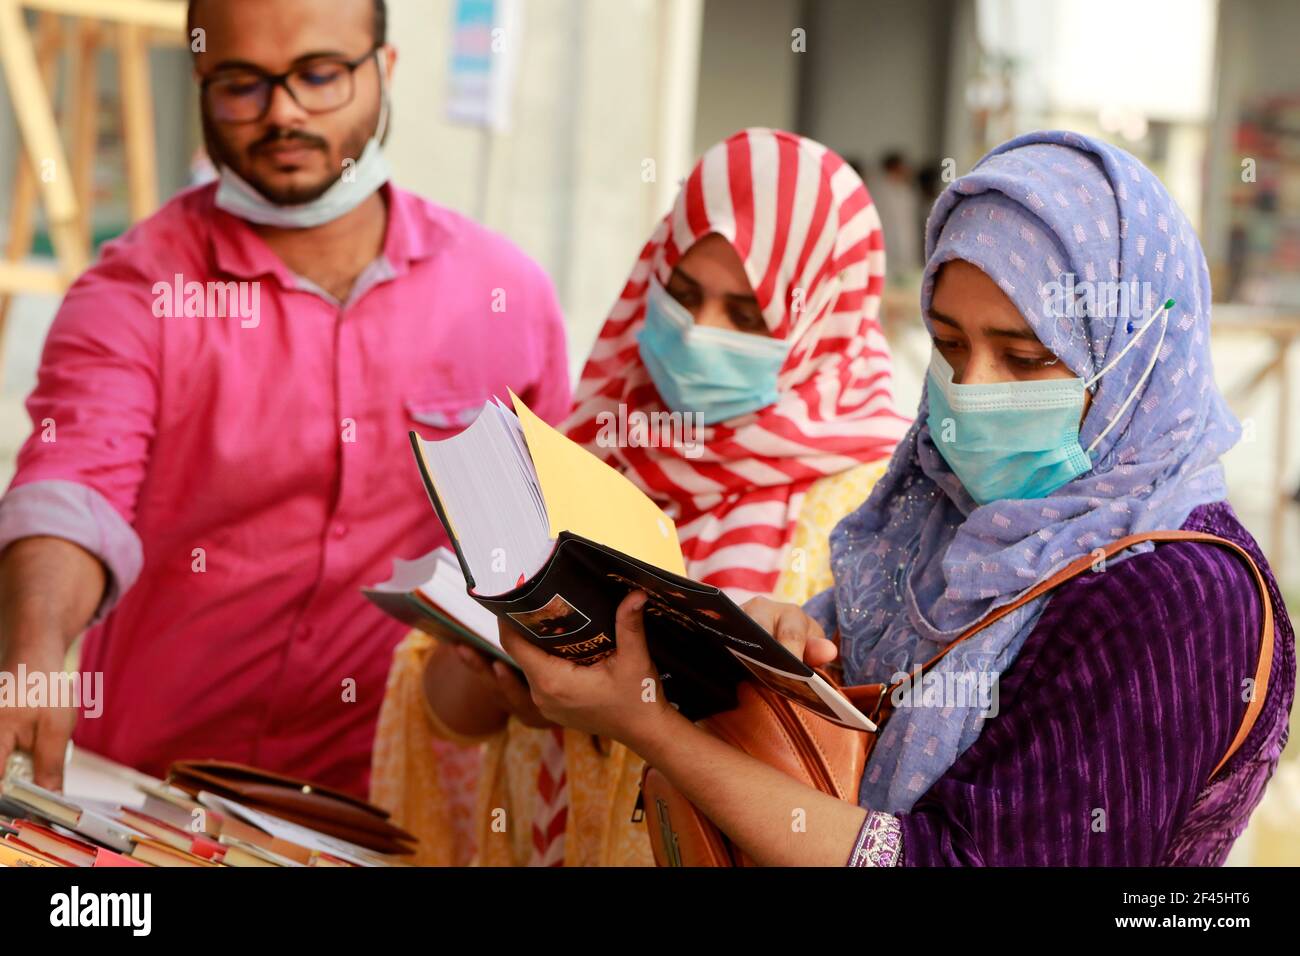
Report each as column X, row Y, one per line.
column 1010, row 440
column 717, row 373
column 237, row 197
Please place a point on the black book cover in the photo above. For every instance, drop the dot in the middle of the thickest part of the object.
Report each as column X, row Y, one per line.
column 701, row 642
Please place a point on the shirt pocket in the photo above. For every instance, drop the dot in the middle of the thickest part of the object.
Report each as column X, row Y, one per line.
column 435, row 414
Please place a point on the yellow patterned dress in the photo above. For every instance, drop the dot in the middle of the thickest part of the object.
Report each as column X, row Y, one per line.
column 421, row 769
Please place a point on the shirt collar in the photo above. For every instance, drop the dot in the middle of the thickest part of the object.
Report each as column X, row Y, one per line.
column 412, row 235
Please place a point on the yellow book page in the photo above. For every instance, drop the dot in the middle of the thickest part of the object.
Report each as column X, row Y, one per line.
column 587, row 497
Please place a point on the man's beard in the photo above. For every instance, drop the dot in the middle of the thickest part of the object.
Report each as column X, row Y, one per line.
column 223, row 155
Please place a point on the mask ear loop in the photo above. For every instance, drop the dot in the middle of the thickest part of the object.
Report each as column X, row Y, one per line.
column 1163, row 315
column 381, row 126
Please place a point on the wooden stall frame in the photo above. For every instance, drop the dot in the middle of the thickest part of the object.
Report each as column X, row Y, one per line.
column 44, row 173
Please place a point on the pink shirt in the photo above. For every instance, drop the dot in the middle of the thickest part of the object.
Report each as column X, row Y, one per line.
column 242, row 477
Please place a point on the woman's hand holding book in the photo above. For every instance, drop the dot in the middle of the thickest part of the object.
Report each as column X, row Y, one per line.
column 798, row 633
column 474, row 696
column 618, row 696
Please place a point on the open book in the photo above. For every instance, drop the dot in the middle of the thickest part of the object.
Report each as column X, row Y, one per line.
column 429, row 593
column 551, row 539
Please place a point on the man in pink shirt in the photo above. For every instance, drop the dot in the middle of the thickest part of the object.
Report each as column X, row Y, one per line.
column 220, row 458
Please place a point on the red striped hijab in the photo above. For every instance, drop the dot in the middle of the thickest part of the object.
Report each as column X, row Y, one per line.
column 805, row 227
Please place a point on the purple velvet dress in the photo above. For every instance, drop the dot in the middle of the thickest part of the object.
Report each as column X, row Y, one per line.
column 1121, row 702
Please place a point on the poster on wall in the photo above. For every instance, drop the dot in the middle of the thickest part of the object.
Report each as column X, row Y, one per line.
column 485, row 43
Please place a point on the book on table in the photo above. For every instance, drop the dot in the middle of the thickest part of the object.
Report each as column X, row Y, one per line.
column 78, row 815
column 116, row 816
column 549, row 538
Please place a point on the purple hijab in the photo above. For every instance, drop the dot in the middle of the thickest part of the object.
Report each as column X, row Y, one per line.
column 1087, row 243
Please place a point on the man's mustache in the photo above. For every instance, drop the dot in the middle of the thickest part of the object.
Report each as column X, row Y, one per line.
column 276, row 136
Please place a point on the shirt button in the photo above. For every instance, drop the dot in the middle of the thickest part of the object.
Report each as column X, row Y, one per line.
column 339, row 530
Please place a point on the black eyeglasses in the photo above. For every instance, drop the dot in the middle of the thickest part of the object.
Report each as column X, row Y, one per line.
column 243, row 94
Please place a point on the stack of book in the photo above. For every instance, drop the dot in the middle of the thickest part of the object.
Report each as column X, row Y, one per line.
column 124, row 818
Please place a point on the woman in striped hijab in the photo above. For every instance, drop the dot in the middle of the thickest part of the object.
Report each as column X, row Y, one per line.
column 790, row 242
column 743, row 382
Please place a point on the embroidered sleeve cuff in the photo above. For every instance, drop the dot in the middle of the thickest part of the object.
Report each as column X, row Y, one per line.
column 879, row 842
column 80, row 514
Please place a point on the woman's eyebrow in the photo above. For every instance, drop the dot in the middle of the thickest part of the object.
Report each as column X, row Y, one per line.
column 1025, row 335
column 742, row 297
column 680, row 273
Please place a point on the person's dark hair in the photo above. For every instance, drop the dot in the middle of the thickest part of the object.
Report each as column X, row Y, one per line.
column 892, row 160
column 380, row 21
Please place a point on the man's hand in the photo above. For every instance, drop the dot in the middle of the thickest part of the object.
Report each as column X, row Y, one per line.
column 43, row 732
column 798, row 633
column 49, row 589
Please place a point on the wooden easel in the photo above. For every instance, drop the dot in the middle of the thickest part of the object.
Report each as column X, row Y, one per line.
column 79, row 29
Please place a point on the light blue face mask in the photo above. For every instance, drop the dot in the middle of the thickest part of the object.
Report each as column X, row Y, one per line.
column 1008, row 440
column 355, row 186
column 717, row 373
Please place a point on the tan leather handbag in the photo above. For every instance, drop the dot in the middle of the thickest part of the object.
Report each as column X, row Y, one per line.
column 831, row 758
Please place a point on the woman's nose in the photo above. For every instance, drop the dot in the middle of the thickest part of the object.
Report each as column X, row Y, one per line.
column 711, row 312
column 978, row 369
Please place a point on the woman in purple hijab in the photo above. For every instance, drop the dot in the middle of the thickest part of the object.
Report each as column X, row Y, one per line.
column 1070, row 402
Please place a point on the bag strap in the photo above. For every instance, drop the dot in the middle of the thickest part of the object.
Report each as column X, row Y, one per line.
column 1076, row 567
